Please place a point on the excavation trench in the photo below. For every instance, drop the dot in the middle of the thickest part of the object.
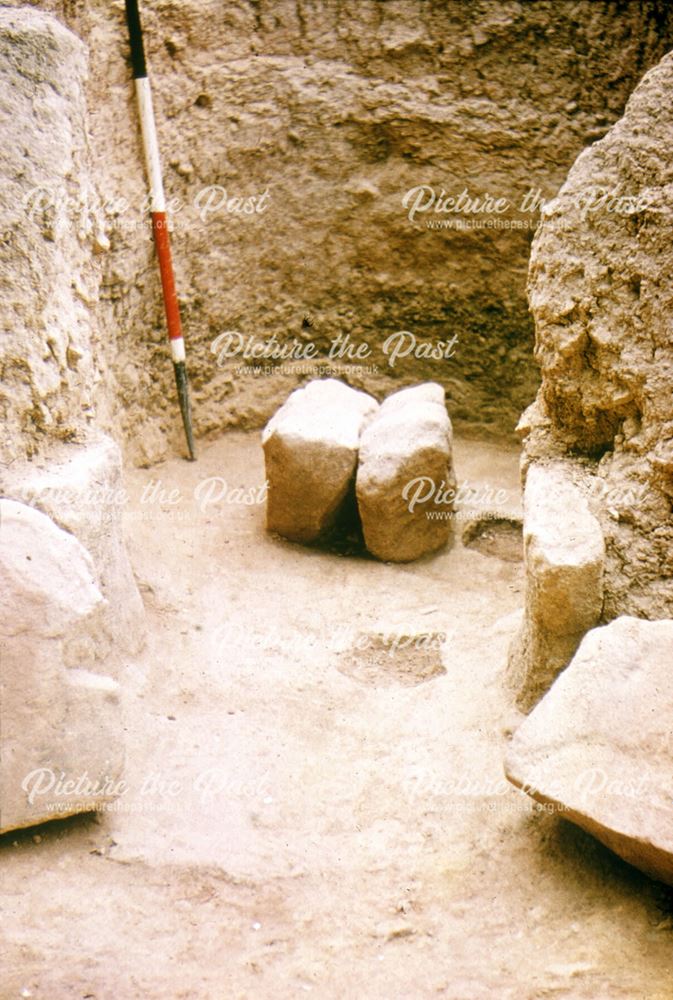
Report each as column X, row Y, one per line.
column 313, row 799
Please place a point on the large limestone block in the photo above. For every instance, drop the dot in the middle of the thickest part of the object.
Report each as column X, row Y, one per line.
column 60, row 729
column 600, row 743
column 564, row 553
column 564, row 556
column 310, row 451
column 405, row 468
column 81, row 488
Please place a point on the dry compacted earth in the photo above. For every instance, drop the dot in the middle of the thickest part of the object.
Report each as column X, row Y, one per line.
column 315, row 802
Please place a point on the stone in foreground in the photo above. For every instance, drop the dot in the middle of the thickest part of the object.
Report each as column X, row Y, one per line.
column 600, row 743
column 310, row 452
column 405, row 466
column 60, row 743
column 81, row 489
column 564, row 555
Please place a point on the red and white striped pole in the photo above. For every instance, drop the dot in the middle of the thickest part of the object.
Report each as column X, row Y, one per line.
column 158, row 212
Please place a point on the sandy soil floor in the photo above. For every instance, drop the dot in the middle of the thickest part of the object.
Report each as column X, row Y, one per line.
column 315, row 801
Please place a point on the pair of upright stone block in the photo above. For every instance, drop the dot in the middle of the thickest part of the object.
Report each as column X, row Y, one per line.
column 329, row 440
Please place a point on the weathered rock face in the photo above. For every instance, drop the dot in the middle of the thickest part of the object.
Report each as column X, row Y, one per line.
column 81, row 489
column 600, row 746
column 60, row 710
column 602, row 300
column 49, row 357
column 405, row 468
column 338, row 111
column 564, row 555
column 310, row 453
column 599, row 246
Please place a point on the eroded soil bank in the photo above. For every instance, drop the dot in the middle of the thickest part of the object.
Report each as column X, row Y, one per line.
column 331, row 121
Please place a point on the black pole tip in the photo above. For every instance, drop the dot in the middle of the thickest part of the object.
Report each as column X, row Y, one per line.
column 182, row 386
column 136, row 39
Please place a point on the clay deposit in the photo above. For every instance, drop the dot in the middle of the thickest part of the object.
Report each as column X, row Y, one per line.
column 291, row 139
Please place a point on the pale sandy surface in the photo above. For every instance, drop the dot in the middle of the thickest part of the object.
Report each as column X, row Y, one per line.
column 292, row 831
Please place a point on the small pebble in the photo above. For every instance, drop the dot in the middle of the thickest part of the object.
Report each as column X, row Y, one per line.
column 37, row 839
column 256, row 926
column 100, row 242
